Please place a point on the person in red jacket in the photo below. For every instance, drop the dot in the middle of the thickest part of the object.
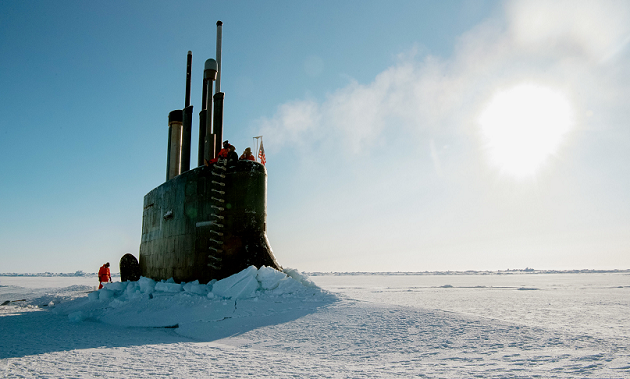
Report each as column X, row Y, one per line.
column 103, row 275
column 222, row 154
column 247, row 155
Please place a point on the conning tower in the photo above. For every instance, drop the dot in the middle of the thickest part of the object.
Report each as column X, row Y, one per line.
column 209, row 222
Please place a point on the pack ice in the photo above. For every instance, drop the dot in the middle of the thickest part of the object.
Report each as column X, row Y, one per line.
column 246, row 300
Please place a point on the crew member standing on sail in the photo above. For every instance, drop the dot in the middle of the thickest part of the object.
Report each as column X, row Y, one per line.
column 103, row 275
column 232, row 157
column 247, row 155
column 223, row 154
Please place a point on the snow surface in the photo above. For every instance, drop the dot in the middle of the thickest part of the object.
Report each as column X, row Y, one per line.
column 266, row 323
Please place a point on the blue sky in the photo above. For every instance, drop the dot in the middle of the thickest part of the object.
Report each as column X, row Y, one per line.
column 370, row 112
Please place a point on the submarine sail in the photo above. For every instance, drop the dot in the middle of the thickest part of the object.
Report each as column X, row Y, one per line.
column 209, row 222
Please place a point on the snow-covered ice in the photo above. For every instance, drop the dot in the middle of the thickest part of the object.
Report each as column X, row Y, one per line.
column 265, row 323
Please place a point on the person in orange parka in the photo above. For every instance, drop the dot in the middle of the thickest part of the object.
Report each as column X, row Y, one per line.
column 222, row 154
column 247, row 155
column 103, row 275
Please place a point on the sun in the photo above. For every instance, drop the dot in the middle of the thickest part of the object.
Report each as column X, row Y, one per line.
column 523, row 127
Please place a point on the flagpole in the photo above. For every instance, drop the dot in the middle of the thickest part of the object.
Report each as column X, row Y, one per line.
column 256, row 139
column 256, row 148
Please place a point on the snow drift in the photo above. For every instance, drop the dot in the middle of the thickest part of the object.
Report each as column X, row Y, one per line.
column 246, row 300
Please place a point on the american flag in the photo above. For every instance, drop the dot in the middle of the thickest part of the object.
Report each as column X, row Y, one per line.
column 261, row 153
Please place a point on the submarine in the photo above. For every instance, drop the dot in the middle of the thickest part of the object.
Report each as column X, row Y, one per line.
column 208, row 222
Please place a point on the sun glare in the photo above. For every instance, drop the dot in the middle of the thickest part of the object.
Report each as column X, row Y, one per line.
column 523, row 126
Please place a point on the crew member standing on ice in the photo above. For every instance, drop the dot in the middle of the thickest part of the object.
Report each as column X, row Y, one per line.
column 247, row 155
column 103, row 275
column 223, row 154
